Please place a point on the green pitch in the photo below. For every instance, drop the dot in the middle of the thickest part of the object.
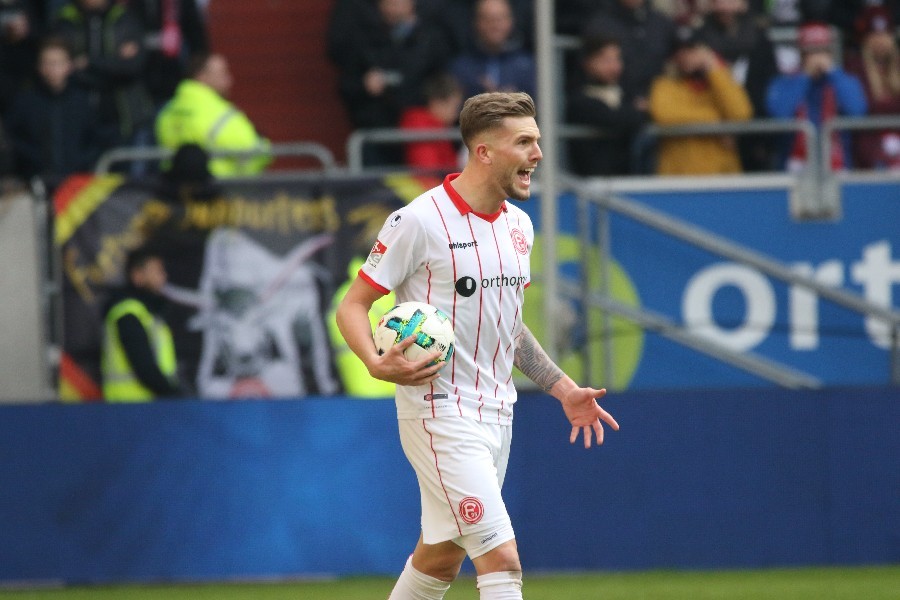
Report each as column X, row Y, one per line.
column 876, row 583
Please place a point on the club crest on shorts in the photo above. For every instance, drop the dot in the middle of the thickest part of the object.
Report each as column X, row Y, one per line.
column 471, row 510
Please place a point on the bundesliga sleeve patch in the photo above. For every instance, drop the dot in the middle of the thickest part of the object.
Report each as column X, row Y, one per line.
column 376, row 254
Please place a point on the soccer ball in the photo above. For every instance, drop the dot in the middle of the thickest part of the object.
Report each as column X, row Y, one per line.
column 430, row 325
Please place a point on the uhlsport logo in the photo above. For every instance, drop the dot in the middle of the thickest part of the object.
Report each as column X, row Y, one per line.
column 462, row 245
column 466, row 286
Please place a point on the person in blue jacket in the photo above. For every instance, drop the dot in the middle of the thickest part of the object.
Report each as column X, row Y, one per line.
column 819, row 92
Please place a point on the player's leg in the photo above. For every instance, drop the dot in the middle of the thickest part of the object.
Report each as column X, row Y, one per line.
column 499, row 573
column 499, row 570
column 441, row 561
column 431, row 567
column 429, row 571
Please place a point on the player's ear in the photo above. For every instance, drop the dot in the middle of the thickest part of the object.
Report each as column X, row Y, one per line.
column 483, row 153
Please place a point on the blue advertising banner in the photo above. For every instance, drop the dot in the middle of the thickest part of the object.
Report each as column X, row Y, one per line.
column 739, row 306
column 192, row 491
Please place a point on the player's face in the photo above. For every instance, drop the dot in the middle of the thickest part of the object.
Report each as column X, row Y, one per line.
column 514, row 155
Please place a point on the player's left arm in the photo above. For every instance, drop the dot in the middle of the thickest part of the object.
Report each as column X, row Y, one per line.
column 579, row 403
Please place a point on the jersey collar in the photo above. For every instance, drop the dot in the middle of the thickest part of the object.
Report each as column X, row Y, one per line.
column 463, row 207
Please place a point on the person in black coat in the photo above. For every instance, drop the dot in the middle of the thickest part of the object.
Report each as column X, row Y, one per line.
column 600, row 101
column 645, row 34
column 108, row 43
column 53, row 125
column 384, row 53
column 176, row 30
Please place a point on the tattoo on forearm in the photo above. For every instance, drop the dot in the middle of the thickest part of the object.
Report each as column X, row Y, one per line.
column 531, row 359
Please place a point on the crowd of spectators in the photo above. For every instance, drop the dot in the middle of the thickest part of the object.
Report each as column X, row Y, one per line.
column 667, row 62
column 78, row 77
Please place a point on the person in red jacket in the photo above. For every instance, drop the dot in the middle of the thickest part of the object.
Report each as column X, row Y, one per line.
column 443, row 99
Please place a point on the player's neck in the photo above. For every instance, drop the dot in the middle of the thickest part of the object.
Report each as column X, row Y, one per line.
column 480, row 193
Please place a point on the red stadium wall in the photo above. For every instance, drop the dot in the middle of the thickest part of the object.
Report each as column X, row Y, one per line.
column 283, row 78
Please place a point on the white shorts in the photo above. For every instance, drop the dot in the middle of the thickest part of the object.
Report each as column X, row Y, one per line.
column 460, row 464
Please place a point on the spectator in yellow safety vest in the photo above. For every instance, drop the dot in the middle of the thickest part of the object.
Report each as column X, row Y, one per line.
column 138, row 363
column 200, row 113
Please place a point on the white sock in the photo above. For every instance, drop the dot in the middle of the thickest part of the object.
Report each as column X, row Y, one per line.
column 504, row 585
column 414, row 585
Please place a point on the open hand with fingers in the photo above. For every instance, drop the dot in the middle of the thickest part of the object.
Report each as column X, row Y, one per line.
column 393, row 365
column 584, row 413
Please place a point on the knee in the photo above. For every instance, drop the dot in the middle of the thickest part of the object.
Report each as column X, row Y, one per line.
column 440, row 565
column 444, row 570
column 504, row 557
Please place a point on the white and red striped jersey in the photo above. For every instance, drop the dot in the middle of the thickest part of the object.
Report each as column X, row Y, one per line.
column 475, row 268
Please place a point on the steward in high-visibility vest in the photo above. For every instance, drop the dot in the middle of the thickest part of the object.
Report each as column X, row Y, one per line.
column 353, row 372
column 198, row 113
column 138, row 363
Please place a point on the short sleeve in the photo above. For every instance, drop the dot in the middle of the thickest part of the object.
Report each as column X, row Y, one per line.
column 397, row 253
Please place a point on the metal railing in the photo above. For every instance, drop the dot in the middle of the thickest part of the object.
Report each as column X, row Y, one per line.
column 131, row 154
column 358, row 139
column 590, row 191
column 838, row 124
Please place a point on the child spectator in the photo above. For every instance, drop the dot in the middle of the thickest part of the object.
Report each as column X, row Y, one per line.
column 599, row 100
column 499, row 62
column 877, row 65
column 443, row 99
column 821, row 91
column 53, row 124
column 698, row 88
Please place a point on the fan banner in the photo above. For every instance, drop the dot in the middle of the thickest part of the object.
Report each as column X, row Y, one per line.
column 253, row 268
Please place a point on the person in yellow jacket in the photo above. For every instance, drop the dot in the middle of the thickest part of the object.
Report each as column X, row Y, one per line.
column 698, row 88
column 200, row 113
column 352, row 371
column 138, row 363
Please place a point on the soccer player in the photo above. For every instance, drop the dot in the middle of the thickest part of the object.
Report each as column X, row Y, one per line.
column 464, row 248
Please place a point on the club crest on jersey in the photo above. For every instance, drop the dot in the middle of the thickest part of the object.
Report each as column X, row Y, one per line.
column 520, row 242
column 377, row 252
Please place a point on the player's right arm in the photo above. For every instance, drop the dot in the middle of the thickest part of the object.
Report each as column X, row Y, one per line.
column 353, row 322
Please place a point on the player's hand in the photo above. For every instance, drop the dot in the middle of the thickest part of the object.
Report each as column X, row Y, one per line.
column 583, row 412
column 393, row 366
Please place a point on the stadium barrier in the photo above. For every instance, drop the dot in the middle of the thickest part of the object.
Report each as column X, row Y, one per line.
column 693, row 335
column 156, row 154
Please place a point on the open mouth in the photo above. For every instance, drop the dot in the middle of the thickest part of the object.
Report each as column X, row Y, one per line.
column 525, row 176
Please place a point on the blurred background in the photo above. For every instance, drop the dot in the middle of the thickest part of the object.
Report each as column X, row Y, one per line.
column 188, row 187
